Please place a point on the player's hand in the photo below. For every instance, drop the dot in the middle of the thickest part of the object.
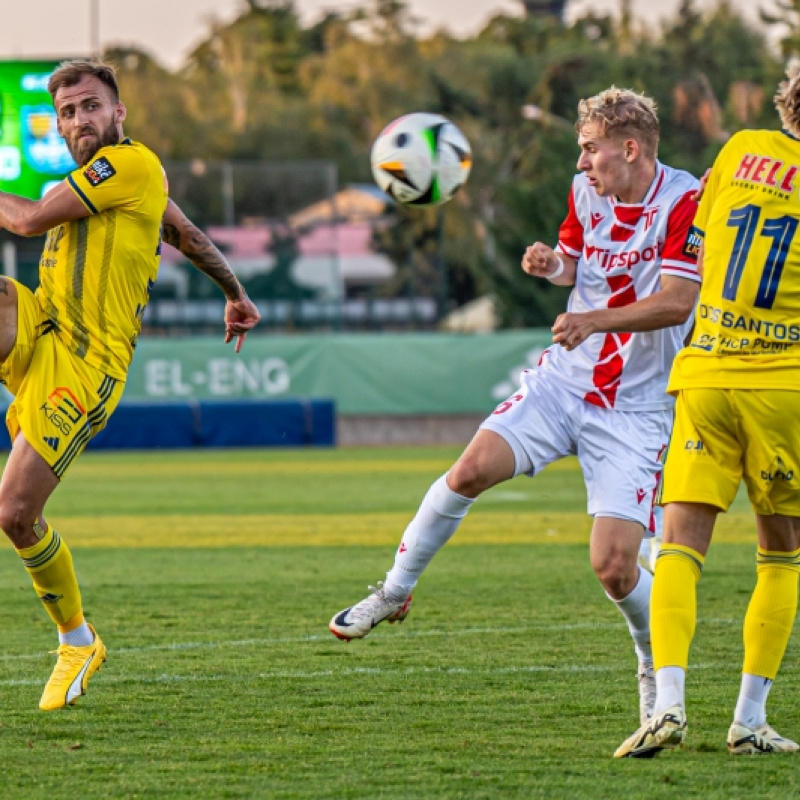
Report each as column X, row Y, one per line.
column 570, row 330
column 703, row 182
column 240, row 316
column 540, row 260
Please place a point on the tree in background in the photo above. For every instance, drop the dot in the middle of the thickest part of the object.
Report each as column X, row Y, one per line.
column 786, row 17
column 265, row 87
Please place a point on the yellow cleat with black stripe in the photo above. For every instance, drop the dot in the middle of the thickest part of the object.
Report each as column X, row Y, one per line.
column 73, row 669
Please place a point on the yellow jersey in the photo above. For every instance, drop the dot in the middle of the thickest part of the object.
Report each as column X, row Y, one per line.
column 747, row 323
column 96, row 273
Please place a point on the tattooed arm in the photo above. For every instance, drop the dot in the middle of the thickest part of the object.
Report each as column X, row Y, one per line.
column 241, row 314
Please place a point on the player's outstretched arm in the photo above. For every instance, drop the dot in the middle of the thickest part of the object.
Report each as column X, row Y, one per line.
column 241, row 314
column 33, row 217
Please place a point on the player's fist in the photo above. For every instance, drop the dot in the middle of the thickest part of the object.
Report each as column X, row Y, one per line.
column 540, row 260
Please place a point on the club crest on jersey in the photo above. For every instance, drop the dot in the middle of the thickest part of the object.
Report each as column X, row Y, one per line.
column 98, row 171
column 691, row 247
column 649, row 215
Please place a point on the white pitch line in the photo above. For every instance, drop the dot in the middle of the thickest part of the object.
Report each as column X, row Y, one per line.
column 351, row 671
column 313, row 638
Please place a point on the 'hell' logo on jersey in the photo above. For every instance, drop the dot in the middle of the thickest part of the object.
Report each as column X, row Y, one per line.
column 98, row 171
column 768, row 171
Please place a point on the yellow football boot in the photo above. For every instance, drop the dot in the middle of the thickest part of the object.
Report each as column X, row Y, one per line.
column 73, row 669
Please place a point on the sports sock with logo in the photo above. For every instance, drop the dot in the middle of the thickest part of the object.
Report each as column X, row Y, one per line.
column 436, row 520
column 49, row 563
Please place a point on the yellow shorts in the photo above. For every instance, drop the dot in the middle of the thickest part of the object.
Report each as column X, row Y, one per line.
column 722, row 436
column 60, row 402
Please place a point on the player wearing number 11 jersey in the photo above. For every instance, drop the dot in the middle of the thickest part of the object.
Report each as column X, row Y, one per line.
column 747, row 331
column 737, row 417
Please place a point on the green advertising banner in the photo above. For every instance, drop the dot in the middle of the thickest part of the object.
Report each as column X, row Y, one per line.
column 33, row 157
column 413, row 373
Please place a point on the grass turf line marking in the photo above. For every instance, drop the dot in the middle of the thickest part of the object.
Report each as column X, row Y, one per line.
column 327, row 637
column 361, row 671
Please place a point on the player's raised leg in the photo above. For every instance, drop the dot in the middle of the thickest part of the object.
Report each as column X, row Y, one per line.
column 487, row 460
column 28, row 481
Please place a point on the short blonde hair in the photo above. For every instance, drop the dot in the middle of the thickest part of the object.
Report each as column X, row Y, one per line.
column 622, row 114
column 787, row 99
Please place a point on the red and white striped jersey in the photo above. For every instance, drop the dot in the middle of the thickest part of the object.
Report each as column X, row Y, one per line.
column 622, row 251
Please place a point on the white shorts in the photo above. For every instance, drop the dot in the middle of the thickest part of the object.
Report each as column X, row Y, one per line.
column 619, row 451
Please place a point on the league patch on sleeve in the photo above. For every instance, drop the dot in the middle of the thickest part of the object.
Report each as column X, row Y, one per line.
column 691, row 247
column 98, row 171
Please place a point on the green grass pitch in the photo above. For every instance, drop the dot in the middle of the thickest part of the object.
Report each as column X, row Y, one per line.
column 212, row 576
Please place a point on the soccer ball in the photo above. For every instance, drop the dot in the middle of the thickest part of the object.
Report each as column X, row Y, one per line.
column 421, row 159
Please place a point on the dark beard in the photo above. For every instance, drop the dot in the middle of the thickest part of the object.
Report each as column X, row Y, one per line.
column 83, row 152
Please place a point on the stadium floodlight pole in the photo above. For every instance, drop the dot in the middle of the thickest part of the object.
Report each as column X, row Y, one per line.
column 10, row 259
column 94, row 26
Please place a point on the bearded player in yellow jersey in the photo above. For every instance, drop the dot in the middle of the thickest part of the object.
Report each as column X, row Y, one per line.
column 737, row 417
column 65, row 350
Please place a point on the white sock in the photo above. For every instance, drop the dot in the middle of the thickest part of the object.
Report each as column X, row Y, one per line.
column 636, row 610
column 751, row 707
column 81, row 636
column 670, row 685
column 436, row 521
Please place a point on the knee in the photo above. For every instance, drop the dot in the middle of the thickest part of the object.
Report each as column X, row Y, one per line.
column 16, row 521
column 617, row 573
column 468, row 476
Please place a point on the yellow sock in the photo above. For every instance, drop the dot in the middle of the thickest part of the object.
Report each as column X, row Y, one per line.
column 49, row 563
column 673, row 604
column 770, row 615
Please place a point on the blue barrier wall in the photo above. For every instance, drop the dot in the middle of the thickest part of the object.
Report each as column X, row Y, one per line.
column 269, row 423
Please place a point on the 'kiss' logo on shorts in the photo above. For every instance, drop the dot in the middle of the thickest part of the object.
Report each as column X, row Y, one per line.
column 63, row 409
column 66, row 402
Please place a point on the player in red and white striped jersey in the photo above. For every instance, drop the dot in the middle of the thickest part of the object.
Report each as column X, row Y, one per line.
column 599, row 392
column 623, row 253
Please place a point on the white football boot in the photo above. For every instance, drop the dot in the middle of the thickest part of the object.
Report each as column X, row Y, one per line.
column 358, row 620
